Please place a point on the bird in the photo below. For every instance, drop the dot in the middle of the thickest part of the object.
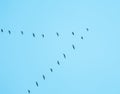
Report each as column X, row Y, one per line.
column 43, row 77
column 57, row 34
column 87, row 29
column 81, row 37
column 1, row 30
column 36, row 83
column 22, row 32
column 64, row 55
column 73, row 33
column 58, row 62
column 28, row 91
column 43, row 35
column 51, row 69
column 33, row 34
column 9, row 31
column 73, row 46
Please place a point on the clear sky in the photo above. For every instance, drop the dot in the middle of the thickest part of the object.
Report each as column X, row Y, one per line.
column 92, row 68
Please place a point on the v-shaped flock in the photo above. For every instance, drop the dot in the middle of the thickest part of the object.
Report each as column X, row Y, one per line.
column 57, row 61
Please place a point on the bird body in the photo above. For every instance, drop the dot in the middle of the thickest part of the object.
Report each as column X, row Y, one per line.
column 57, row 34
column 28, row 91
column 1, row 30
column 58, row 62
column 22, row 32
column 43, row 35
column 51, row 69
column 81, row 37
column 9, row 31
column 43, row 77
column 72, row 33
column 73, row 46
column 33, row 34
column 64, row 55
column 87, row 29
column 37, row 84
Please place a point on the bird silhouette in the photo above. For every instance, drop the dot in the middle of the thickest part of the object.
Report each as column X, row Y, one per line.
column 28, row 91
column 64, row 55
column 51, row 69
column 57, row 34
column 22, row 32
column 9, row 31
column 36, row 83
column 81, row 37
column 43, row 35
column 58, row 62
column 33, row 34
column 1, row 30
column 73, row 46
column 43, row 77
column 87, row 29
column 73, row 33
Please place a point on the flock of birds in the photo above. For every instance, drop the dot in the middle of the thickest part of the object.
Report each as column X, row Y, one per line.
column 64, row 55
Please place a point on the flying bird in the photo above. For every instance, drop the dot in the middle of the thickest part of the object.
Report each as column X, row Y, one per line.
column 1, row 30
column 58, row 62
column 28, row 91
column 43, row 35
column 81, row 37
column 57, row 34
column 33, row 34
column 64, row 55
column 73, row 46
column 22, row 32
column 9, row 31
column 51, row 69
column 73, row 33
column 43, row 77
column 87, row 29
column 36, row 83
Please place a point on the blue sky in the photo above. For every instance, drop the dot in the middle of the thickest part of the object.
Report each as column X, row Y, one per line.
column 92, row 68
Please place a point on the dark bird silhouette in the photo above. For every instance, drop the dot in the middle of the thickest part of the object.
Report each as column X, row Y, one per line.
column 33, row 34
column 51, row 69
column 28, row 91
column 22, row 32
column 87, row 29
column 73, row 46
column 81, row 37
column 1, row 30
column 58, row 62
column 43, row 77
column 73, row 33
column 57, row 34
column 43, row 35
column 64, row 55
column 36, row 83
column 9, row 31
